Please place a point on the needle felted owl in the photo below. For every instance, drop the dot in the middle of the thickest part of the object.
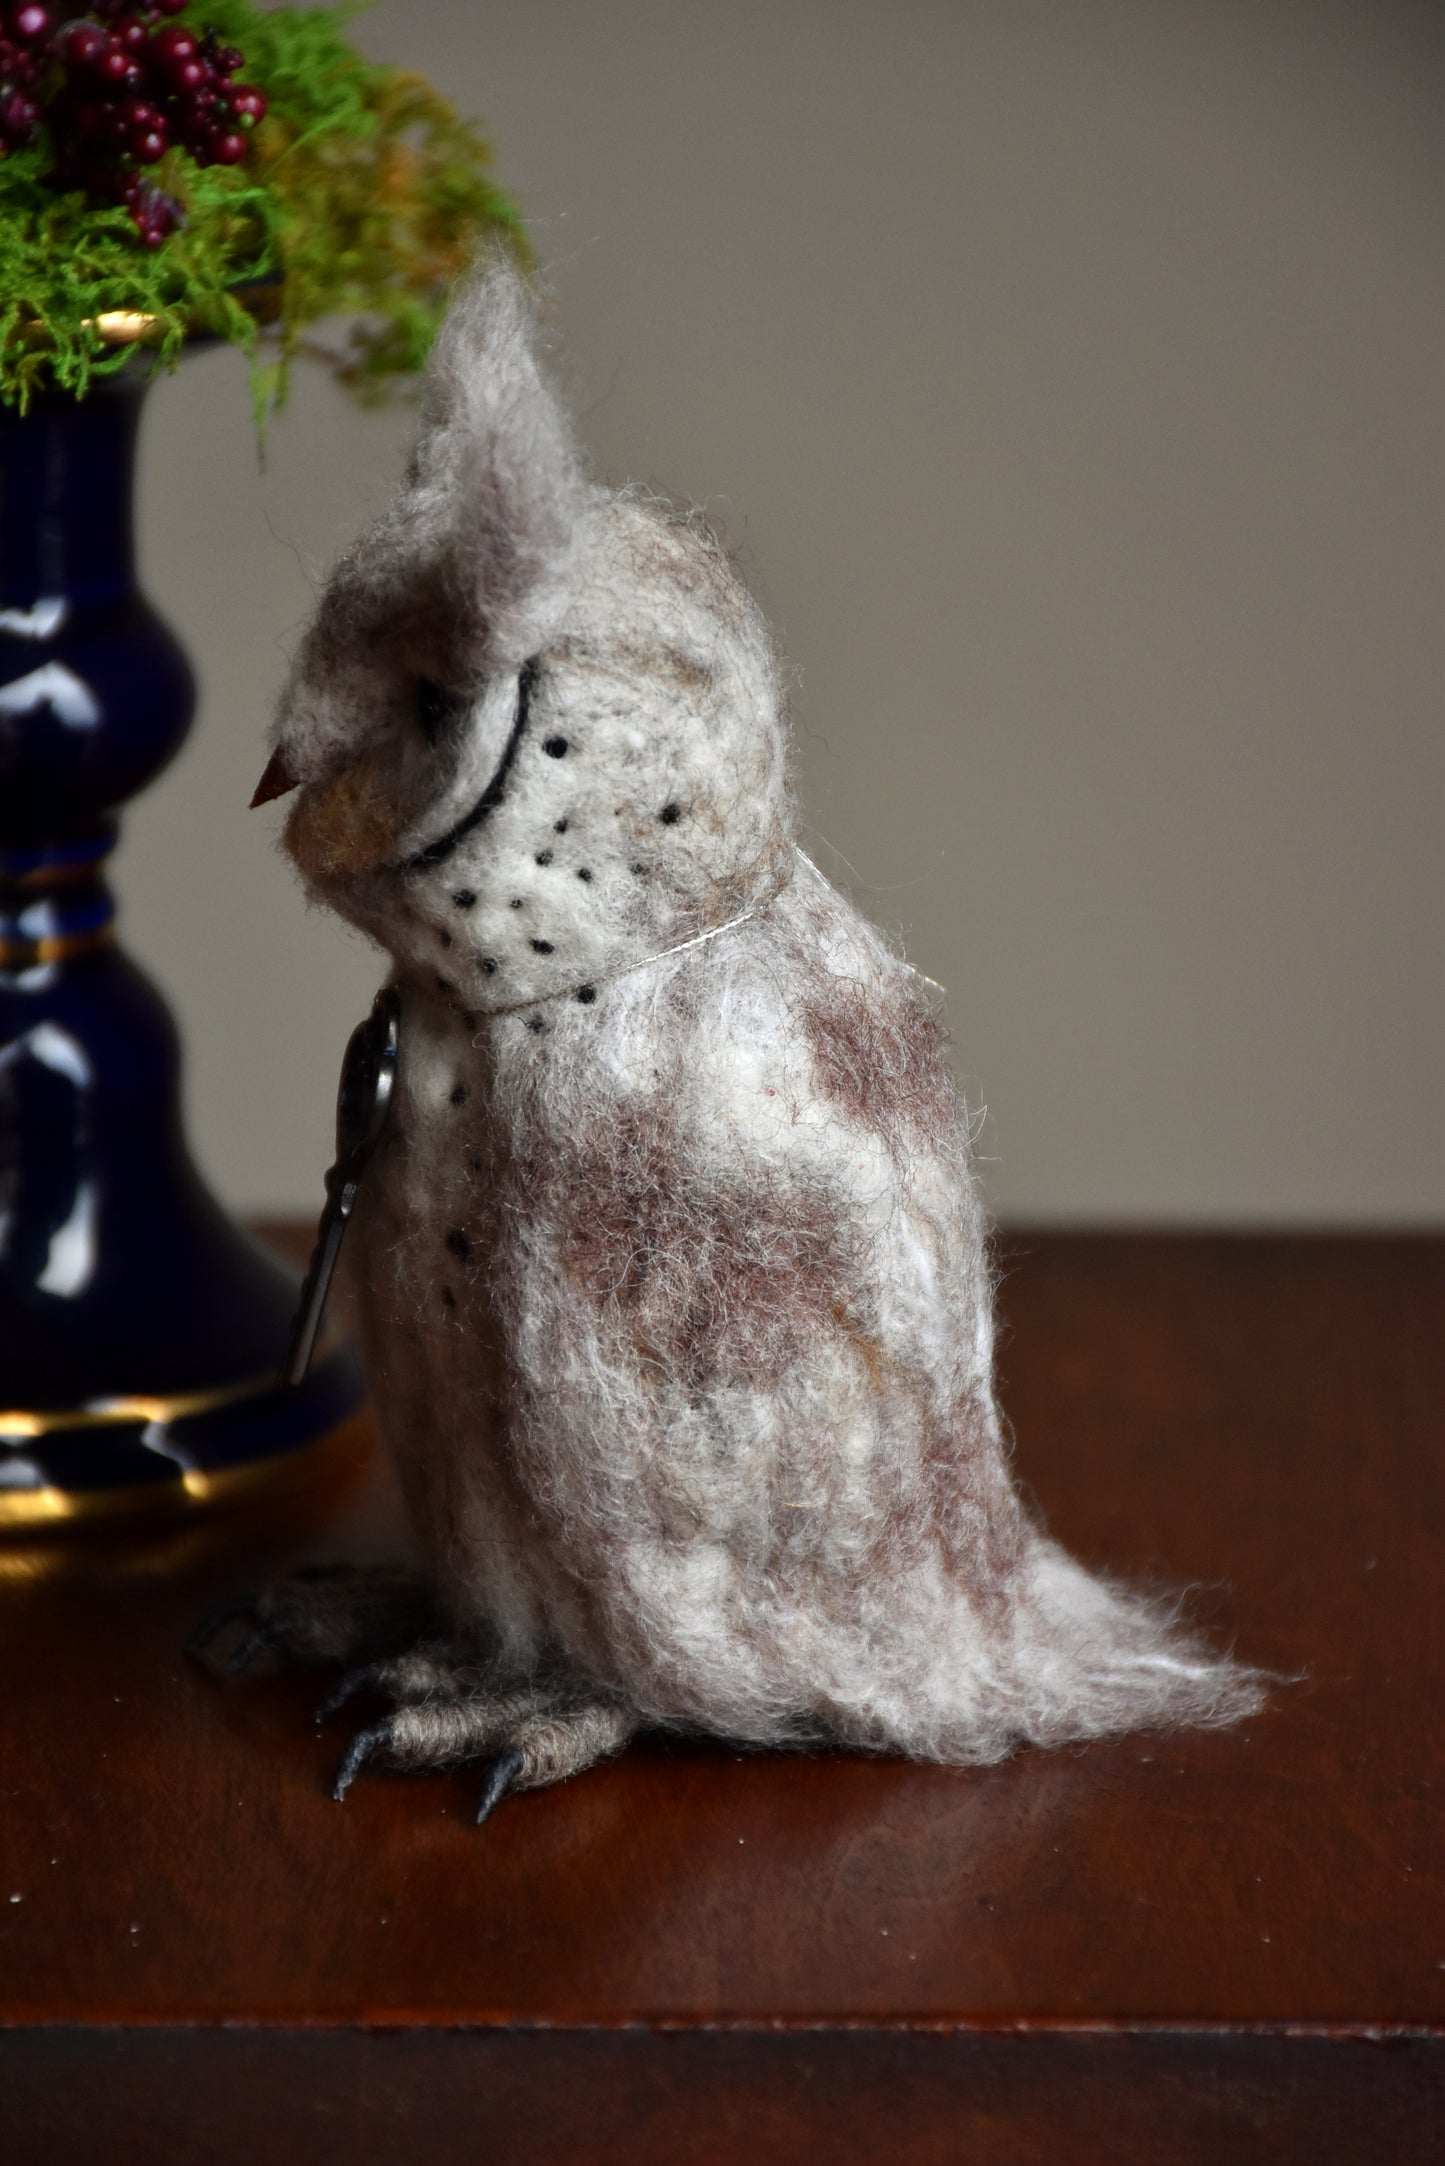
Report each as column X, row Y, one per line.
column 675, row 1296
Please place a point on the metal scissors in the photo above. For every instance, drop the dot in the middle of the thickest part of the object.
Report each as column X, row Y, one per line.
column 363, row 1102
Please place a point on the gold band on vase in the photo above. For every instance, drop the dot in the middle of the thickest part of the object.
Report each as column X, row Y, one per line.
column 17, row 1422
column 52, row 948
column 33, row 1510
column 48, row 1504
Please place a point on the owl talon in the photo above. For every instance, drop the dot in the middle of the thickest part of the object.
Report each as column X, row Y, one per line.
column 501, row 1777
column 378, row 1738
column 347, row 1685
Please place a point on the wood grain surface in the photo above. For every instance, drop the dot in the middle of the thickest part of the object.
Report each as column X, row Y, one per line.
column 1187, row 1947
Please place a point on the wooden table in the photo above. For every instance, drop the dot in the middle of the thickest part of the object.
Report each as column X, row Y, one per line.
column 1201, row 1947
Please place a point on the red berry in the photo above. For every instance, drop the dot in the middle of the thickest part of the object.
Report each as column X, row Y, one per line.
column 114, row 64
column 18, row 116
column 248, row 103
column 82, row 44
column 30, row 23
column 229, row 149
column 147, row 145
column 229, row 58
column 172, row 42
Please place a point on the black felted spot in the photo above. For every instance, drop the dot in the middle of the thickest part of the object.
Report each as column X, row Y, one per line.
column 584, row 872
column 534, row 1022
column 669, row 813
column 486, row 964
column 458, row 1243
column 637, row 868
column 542, row 947
column 544, row 857
column 459, row 1094
column 559, row 827
column 586, row 994
column 555, row 748
column 463, row 898
column 515, row 903
column 446, row 938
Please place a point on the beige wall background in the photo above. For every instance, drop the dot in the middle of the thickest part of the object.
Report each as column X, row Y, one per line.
column 1066, row 375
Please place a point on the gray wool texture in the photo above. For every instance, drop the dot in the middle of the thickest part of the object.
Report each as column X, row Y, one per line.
column 677, row 1303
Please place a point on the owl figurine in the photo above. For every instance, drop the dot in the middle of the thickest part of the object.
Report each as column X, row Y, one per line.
column 672, row 1269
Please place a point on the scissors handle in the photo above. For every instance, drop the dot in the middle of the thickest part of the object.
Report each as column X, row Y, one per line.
column 363, row 1102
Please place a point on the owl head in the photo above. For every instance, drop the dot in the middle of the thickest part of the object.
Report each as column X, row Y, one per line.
column 533, row 721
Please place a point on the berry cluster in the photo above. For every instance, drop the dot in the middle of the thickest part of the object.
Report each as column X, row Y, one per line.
column 118, row 90
column 25, row 50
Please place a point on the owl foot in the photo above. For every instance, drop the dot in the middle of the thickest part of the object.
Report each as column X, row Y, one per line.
column 432, row 1668
column 531, row 1735
column 327, row 1613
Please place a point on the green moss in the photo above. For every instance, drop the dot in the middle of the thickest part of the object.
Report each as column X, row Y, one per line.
column 363, row 195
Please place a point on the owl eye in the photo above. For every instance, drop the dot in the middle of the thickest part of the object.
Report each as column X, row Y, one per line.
column 491, row 797
column 436, row 708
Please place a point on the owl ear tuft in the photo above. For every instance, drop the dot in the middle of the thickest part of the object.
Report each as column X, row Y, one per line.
column 470, row 571
column 495, row 474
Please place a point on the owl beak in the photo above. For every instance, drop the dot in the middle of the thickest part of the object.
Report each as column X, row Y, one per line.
column 275, row 782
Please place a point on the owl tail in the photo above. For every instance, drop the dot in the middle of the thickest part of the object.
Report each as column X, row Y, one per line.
column 1090, row 1659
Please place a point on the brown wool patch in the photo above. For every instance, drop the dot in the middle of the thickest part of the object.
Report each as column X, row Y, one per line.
column 882, row 1059
column 344, row 825
column 720, row 1280
column 972, row 1503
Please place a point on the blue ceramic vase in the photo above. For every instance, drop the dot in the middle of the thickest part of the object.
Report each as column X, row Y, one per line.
column 141, row 1333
